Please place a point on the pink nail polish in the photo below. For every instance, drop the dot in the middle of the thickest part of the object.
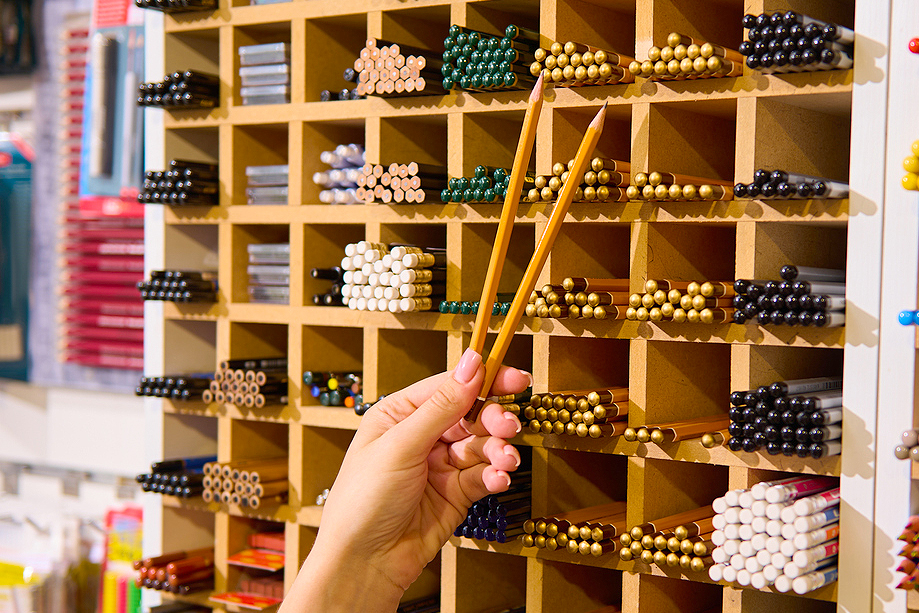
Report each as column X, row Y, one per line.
column 467, row 367
column 513, row 418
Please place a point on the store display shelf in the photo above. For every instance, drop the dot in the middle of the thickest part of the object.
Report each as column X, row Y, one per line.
column 193, row 407
column 309, row 516
column 685, row 451
column 194, row 311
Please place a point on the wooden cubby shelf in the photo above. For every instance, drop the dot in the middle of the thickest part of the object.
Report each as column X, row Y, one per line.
column 721, row 128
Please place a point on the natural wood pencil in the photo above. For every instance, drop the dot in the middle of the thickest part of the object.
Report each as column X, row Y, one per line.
column 540, row 254
column 508, row 213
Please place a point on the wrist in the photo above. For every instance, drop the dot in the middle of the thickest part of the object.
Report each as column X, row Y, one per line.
column 335, row 579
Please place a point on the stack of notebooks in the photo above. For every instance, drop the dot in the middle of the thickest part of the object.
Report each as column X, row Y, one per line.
column 264, row 73
column 269, row 273
column 266, row 184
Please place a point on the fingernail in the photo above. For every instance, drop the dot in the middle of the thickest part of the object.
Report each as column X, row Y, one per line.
column 512, row 452
column 506, row 476
column 467, row 366
column 529, row 378
column 513, row 419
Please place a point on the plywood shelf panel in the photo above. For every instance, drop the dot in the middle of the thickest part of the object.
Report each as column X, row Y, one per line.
column 685, row 451
column 829, row 91
column 613, row 562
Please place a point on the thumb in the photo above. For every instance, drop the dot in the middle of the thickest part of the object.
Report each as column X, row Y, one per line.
column 449, row 402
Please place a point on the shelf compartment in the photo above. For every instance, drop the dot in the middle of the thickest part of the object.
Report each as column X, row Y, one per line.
column 493, row 16
column 191, row 248
column 565, row 480
column 593, row 250
column 482, row 581
column 490, row 139
column 763, row 248
column 256, row 145
column 239, row 529
column 243, row 236
column 792, row 133
column 406, row 356
column 580, row 363
column 475, row 251
column 324, row 247
column 663, row 594
column 198, row 340
column 198, row 50
column 692, row 138
column 657, row 488
column 258, row 34
column 316, row 457
column 333, row 43
column 324, row 136
column 569, row 125
column 422, row 27
column 335, row 349
column 578, row 588
column 414, row 139
column 755, row 366
column 185, row 528
column 754, row 601
column 696, row 252
column 257, row 340
column 715, row 23
column 677, row 381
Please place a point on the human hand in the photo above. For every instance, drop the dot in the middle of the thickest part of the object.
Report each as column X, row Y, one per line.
column 407, row 480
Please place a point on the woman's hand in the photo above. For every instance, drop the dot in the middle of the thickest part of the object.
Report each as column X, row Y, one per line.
column 406, row 482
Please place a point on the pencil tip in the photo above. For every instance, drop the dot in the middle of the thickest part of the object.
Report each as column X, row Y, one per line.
column 538, row 88
column 601, row 115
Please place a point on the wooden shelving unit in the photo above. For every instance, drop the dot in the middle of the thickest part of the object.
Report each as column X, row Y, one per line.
column 722, row 128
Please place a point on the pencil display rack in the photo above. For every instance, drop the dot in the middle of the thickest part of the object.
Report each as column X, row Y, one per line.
column 718, row 128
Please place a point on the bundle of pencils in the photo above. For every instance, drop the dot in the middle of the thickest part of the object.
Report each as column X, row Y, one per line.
column 411, row 183
column 768, row 184
column 389, row 69
column 668, row 187
column 590, row 531
column 346, row 93
column 910, row 180
column 466, row 307
column 672, row 432
column 908, row 449
column 332, row 297
column 683, row 301
column 488, row 184
column 803, row 296
column 572, row 64
column 175, row 387
column 179, row 286
column 783, row 533
column 500, row 517
column 249, row 383
column 183, row 183
column 248, row 483
column 394, row 278
column 604, row 180
column 909, row 565
column 800, row 417
column 182, row 89
column 335, row 389
column 595, row 412
column 580, row 298
column 684, row 57
column 340, row 183
column 177, row 6
column 787, row 41
column 478, row 61
column 681, row 540
column 179, row 572
column 177, row 477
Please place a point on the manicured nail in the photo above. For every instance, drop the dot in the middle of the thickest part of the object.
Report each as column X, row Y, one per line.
column 513, row 419
column 529, row 378
column 506, row 476
column 511, row 451
column 467, row 367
